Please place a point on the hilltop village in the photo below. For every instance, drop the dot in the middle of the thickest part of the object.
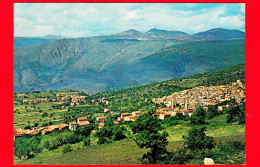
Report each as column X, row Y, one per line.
column 183, row 102
column 204, row 96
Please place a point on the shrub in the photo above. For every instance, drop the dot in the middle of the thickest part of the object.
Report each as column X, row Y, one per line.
column 212, row 112
column 86, row 142
column 198, row 116
column 66, row 148
column 53, row 146
column 27, row 127
column 197, row 139
column 35, row 124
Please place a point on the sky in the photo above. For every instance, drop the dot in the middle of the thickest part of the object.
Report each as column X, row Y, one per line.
column 94, row 19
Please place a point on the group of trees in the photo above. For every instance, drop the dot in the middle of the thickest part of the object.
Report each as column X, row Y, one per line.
column 30, row 145
column 236, row 114
column 148, row 132
column 27, row 147
column 110, row 132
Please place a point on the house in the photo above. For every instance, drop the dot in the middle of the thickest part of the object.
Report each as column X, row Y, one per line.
column 101, row 119
column 72, row 125
column 168, row 110
column 221, row 108
column 120, row 119
column 125, row 114
column 83, row 121
column 212, row 102
column 164, row 115
column 130, row 118
column 106, row 110
column 116, row 123
column 187, row 112
column 176, row 112
column 21, row 133
column 63, row 126
column 50, row 129
column 73, row 103
column 136, row 113
column 158, row 113
column 101, row 125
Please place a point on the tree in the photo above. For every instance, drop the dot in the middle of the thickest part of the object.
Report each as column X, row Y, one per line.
column 236, row 114
column 108, row 134
column 148, row 133
column 212, row 112
column 45, row 114
column 198, row 116
column 197, row 139
column 242, row 114
column 83, row 131
column 27, row 127
column 27, row 147
column 35, row 124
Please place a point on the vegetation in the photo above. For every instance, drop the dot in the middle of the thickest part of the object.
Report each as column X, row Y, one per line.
column 236, row 114
column 66, row 148
column 108, row 134
column 175, row 140
column 147, row 134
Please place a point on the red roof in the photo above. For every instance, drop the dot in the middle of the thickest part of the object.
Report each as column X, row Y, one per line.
column 131, row 117
column 178, row 111
column 186, row 111
column 212, row 101
column 83, row 119
column 101, row 117
column 121, row 118
column 137, row 112
column 15, row 133
column 158, row 112
column 73, row 123
column 167, row 109
column 165, row 114
column 101, row 124
column 124, row 114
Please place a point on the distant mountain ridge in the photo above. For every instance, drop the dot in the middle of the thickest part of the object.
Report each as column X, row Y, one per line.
column 126, row 59
column 221, row 34
column 29, row 41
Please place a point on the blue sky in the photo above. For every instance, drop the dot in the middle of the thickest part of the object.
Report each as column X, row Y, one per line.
column 92, row 19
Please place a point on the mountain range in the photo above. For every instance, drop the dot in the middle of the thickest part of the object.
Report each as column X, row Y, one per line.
column 126, row 59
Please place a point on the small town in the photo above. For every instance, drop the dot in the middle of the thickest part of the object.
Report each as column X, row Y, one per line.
column 204, row 96
column 184, row 103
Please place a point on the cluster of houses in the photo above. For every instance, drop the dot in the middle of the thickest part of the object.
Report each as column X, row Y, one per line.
column 203, row 96
column 129, row 116
column 168, row 112
column 100, row 100
column 36, row 130
column 83, row 121
column 35, row 101
column 75, row 99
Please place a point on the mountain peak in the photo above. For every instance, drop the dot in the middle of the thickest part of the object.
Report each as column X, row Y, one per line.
column 158, row 31
column 130, row 32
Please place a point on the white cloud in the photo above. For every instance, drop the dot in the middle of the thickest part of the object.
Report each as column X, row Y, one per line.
column 91, row 19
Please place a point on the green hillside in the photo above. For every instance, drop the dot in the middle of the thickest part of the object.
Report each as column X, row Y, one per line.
column 118, row 61
column 137, row 98
column 116, row 143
